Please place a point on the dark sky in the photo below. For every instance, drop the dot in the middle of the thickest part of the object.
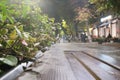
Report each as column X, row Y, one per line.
column 55, row 8
column 60, row 9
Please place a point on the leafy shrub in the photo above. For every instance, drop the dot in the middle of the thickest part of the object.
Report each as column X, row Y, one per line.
column 23, row 31
column 116, row 39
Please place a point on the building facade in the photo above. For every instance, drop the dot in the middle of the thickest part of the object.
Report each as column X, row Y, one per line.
column 111, row 27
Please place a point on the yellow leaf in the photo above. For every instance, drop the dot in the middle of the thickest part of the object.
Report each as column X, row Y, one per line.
column 13, row 35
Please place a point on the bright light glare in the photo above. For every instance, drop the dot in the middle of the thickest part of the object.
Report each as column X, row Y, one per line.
column 106, row 18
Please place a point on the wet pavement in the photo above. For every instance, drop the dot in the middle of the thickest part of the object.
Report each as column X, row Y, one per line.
column 107, row 52
column 56, row 65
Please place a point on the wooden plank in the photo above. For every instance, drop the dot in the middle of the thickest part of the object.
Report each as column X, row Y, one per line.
column 104, row 71
column 115, row 63
column 79, row 71
column 57, row 67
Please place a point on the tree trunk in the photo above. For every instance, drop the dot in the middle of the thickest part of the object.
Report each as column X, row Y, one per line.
column 88, row 32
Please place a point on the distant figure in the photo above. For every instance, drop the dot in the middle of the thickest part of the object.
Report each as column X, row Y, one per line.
column 83, row 37
column 109, row 37
column 58, row 39
column 69, row 38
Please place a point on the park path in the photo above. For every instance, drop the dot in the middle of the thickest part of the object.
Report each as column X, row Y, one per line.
column 69, row 61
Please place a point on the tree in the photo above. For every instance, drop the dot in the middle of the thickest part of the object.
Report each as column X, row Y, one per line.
column 83, row 15
column 107, row 5
column 65, row 27
column 23, row 30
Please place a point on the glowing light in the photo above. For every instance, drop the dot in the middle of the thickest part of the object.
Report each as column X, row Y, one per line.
column 106, row 18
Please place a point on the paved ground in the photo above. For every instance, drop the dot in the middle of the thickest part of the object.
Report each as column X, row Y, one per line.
column 55, row 66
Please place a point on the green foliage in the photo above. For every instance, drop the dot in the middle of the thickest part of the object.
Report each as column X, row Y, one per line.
column 22, row 26
column 107, row 5
column 6, row 12
column 65, row 27
column 9, row 60
column 82, row 14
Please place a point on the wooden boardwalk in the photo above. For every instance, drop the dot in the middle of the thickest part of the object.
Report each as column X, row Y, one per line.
column 68, row 62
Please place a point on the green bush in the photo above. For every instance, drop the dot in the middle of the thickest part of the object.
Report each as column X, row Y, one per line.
column 23, row 30
column 99, row 40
